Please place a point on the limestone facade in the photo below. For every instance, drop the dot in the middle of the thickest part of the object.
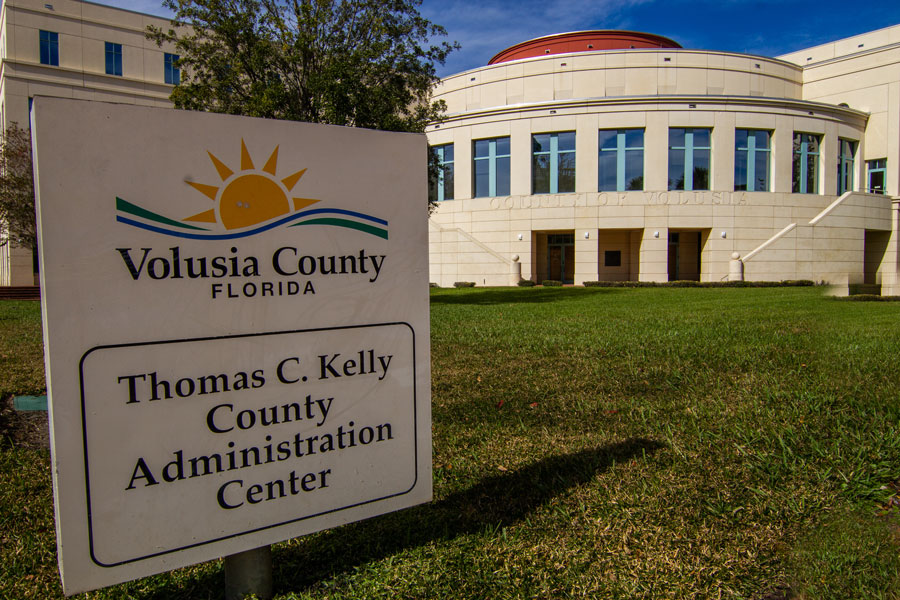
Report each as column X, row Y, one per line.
column 827, row 135
column 73, row 49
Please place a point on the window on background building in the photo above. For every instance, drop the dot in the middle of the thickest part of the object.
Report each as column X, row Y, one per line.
column 491, row 167
column 553, row 163
column 442, row 188
column 806, row 163
column 689, row 159
column 877, row 172
column 846, row 152
column 173, row 73
column 49, row 48
column 113, row 59
column 621, row 161
column 751, row 160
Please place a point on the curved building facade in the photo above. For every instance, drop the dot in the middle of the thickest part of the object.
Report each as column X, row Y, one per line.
column 636, row 159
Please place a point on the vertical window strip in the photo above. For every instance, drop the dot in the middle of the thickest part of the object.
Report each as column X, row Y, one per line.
column 753, row 154
column 554, row 164
column 172, row 72
column 445, row 173
column 692, row 151
column 49, row 43
column 624, row 155
column 113, row 59
column 806, row 163
column 846, row 152
column 557, row 157
column 492, row 160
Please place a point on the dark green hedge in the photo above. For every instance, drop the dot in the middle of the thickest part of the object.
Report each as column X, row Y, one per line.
column 700, row 284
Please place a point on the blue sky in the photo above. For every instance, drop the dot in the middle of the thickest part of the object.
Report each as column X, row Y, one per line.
column 766, row 27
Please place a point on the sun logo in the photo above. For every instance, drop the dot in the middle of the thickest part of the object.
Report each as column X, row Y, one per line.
column 250, row 196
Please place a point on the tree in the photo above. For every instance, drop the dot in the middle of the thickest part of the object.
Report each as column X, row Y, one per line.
column 17, row 221
column 360, row 63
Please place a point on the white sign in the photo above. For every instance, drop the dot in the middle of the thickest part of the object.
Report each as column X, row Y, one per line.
column 236, row 331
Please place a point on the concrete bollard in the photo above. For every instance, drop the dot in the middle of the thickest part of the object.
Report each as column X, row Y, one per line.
column 736, row 268
column 515, row 271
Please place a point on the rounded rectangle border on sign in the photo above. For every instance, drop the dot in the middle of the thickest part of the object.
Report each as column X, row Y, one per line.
column 105, row 507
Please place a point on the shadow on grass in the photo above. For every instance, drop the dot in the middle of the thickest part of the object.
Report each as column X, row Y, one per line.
column 494, row 502
column 516, row 295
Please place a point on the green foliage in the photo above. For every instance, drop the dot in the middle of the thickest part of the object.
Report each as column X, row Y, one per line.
column 551, row 283
column 868, row 298
column 464, row 284
column 17, row 220
column 526, row 283
column 360, row 63
column 700, row 284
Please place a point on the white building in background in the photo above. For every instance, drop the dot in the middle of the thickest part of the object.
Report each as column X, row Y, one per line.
column 610, row 155
column 601, row 155
column 74, row 49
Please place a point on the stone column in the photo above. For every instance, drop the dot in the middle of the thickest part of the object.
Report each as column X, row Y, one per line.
column 654, row 254
column 890, row 277
column 586, row 255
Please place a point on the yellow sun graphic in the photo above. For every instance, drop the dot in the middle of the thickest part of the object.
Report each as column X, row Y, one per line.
column 250, row 196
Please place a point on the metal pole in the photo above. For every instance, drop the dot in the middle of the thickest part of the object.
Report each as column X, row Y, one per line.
column 249, row 572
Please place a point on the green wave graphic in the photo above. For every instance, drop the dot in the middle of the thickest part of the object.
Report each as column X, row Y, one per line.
column 382, row 233
column 133, row 209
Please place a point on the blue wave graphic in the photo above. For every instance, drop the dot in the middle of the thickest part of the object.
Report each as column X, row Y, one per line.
column 246, row 233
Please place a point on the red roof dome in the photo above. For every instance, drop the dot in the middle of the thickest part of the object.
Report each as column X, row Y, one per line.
column 583, row 41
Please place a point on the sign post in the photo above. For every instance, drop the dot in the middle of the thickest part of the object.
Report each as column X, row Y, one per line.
column 249, row 572
column 236, row 332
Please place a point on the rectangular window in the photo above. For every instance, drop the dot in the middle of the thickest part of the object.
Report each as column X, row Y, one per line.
column 173, row 73
column 553, row 163
column 846, row 152
column 49, row 48
column 751, row 160
column 877, row 171
column 442, row 188
column 612, row 258
column 491, row 167
column 621, row 161
column 113, row 59
column 689, row 159
column 806, row 163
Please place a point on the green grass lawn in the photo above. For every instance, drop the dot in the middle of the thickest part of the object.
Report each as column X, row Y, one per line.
column 595, row 443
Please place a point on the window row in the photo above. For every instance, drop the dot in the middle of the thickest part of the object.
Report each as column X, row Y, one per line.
column 49, row 54
column 620, row 165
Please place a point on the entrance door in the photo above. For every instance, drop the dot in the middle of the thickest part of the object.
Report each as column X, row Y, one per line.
column 685, row 250
column 561, row 257
column 674, row 257
column 555, row 258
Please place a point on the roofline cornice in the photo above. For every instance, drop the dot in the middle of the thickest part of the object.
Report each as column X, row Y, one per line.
column 699, row 101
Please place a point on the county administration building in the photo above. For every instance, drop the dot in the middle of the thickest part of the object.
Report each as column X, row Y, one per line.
column 614, row 155
column 602, row 155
